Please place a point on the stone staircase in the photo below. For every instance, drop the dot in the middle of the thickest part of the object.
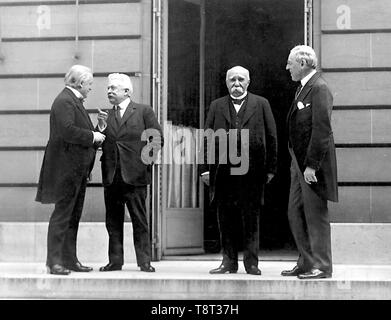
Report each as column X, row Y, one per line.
column 361, row 254
column 190, row 280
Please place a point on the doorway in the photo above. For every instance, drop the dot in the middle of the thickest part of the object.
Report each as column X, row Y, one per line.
column 205, row 39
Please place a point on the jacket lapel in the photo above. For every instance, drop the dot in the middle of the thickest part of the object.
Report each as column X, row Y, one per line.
column 85, row 113
column 250, row 108
column 128, row 113
column 290, row 111
column 81, row 108
column 306, row 89
column 225, row 109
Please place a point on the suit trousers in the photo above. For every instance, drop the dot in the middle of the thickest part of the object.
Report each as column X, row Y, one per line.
column 309, row 221
column 63, row 227
column 117, row 195
column 237, row 214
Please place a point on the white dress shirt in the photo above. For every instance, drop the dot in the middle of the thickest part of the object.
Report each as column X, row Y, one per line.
column 307, row 78
column 238, row 106
column 123, row 105
column 122, row 108
column 75, row 92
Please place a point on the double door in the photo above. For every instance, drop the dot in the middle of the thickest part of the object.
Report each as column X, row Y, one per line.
column 196, row 42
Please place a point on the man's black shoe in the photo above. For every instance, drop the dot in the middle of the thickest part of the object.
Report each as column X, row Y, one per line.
column 111, row 267
column 254, row 270
column 314, row 274
column 223, row 269
column 292, row 273
column 146, row 267
column 59, row 270
column 78, row 267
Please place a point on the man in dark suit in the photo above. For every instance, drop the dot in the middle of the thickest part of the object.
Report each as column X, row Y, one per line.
column 126, row 169
column 237, row 187
column 68, row 161
column 313, row 168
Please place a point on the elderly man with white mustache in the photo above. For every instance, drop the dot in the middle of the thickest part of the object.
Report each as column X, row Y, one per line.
column 249, row 124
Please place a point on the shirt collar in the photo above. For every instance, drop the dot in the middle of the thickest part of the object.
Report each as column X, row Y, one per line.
column 241, row 97
column 75, row 92
column 123, row 105
column 307, row 77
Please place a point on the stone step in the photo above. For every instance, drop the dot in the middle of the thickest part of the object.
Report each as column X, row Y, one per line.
column 190, row 280
column 352, row 243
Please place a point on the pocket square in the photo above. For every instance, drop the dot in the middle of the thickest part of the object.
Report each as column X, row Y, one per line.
column 300, row 105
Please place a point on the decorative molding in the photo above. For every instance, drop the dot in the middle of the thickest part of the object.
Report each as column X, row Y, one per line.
column 361, row 69
column 363, row 107
column 59, row 75
column 355, row 31
column 63, row 2
column 15, row 148
column 34, row 185
column 363, row 145
column 365, row 184
column 34, row 112
column 71, row 38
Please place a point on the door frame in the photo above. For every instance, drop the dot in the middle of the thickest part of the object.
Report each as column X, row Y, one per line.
column 160, row 212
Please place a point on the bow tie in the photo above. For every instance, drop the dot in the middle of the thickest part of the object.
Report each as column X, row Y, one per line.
column 237, row 101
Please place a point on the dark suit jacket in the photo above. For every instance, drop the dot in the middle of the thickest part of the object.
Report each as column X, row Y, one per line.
column 258, row 118
column 311, row 136
column 126, row 144
column 70, row 153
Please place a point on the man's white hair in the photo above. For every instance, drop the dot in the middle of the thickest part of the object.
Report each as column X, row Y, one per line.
column 123, row 80
column 76, row 75
column 306, row 53
column 239, row 69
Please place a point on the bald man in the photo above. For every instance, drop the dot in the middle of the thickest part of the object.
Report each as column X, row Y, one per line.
column 245, row 159
column 126, row 171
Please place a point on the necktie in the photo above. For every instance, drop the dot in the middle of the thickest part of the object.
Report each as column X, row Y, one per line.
column 118, row 114
column 298, row 91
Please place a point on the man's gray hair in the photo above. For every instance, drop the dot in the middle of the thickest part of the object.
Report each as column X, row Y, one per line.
column 123, row 80
column 307, row 54
column 240, row 70
column 76, row 75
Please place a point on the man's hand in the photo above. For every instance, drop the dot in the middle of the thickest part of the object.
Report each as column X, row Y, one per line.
column 269, row 177
column 309, row 175
column 98, row 137
column 205, row 178
column 102, row 118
